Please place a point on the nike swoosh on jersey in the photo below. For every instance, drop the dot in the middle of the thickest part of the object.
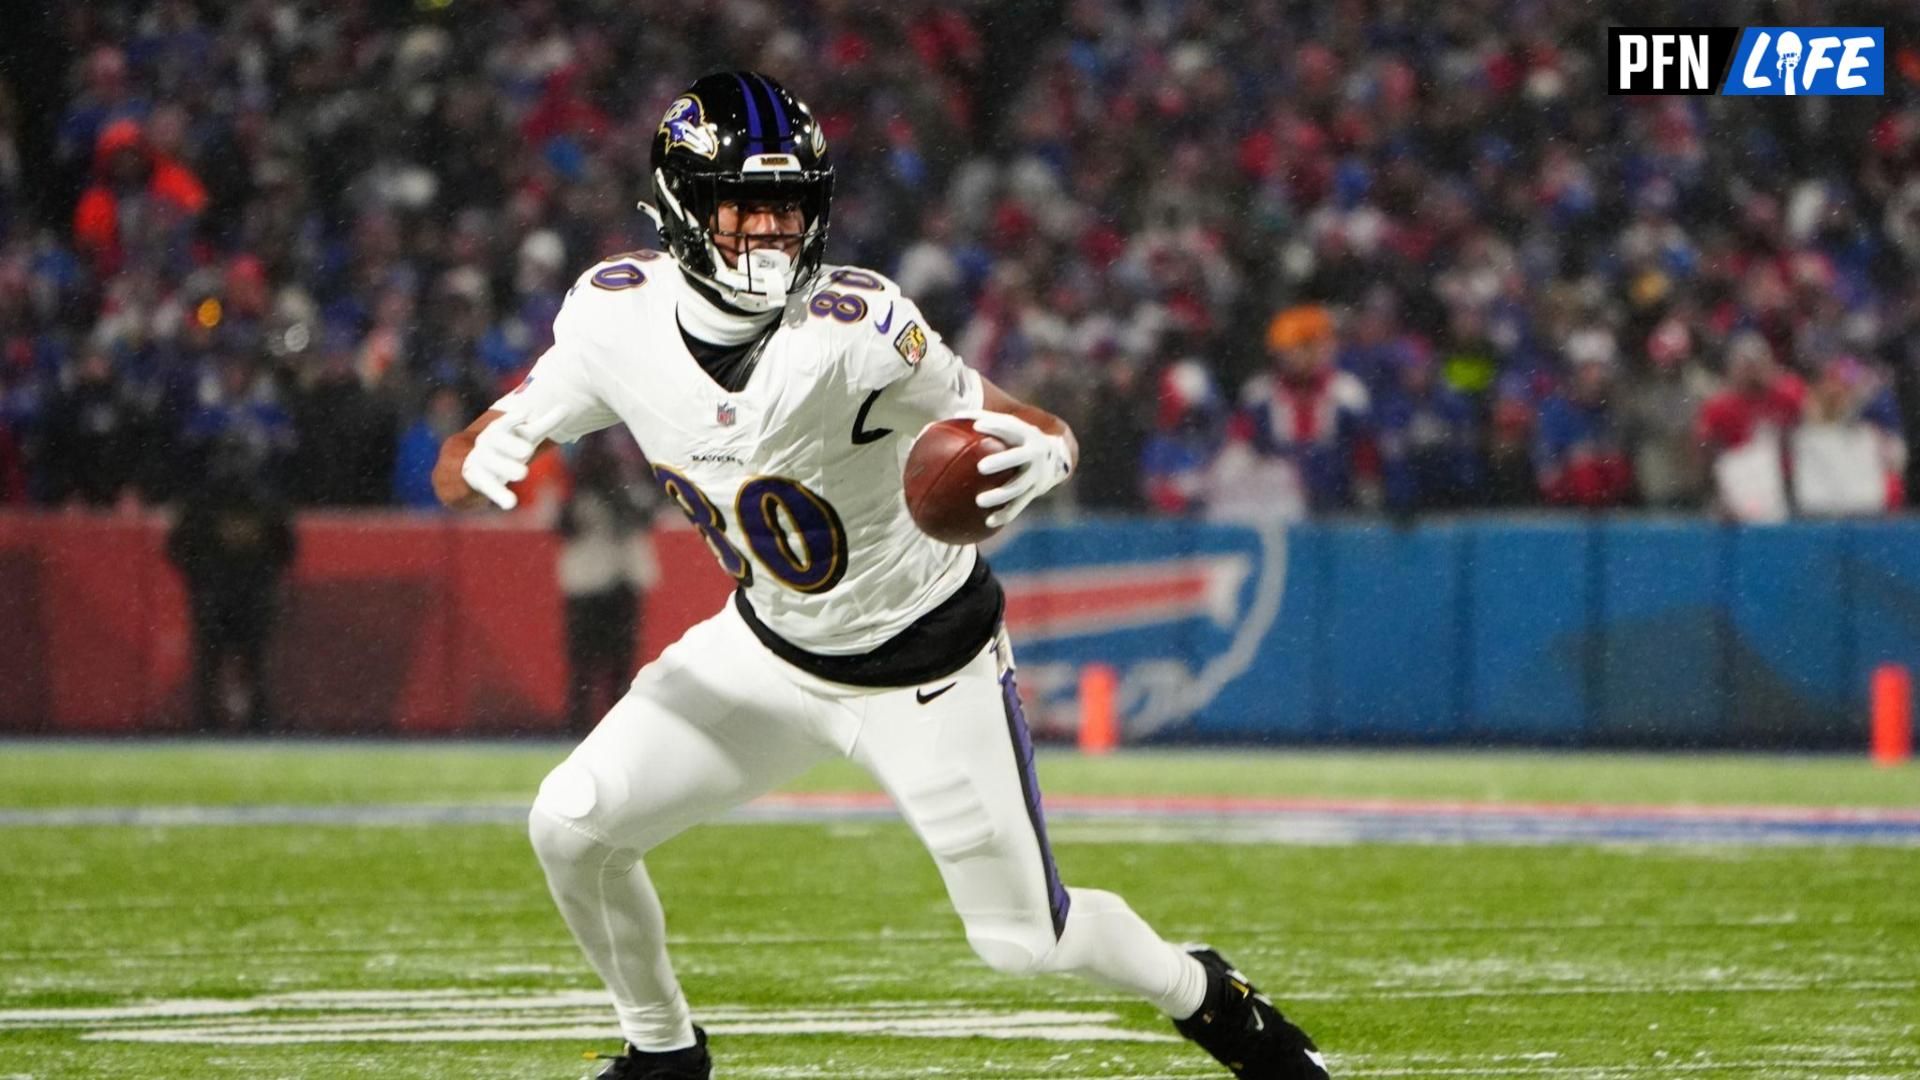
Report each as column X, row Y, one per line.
column 887, row 323
column 861, row 435
column 923, row 696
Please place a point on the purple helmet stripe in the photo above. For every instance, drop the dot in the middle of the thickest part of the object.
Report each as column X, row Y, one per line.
column 755, row 137
column 1057, row 899
column 779, row 113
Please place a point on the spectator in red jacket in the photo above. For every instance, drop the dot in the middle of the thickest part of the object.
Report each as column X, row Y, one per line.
column 1743, row 430
column 139, row 196
column 1761, row 398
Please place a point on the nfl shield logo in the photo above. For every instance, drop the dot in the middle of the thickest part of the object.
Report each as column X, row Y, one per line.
column 724, row 414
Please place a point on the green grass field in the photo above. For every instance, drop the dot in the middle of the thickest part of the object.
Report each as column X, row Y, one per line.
column 814, row 950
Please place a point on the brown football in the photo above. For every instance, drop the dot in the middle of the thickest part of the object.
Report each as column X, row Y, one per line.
column 943, row 476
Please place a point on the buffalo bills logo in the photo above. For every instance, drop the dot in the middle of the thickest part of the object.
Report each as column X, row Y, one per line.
column 686, row 125
column 1184, row 610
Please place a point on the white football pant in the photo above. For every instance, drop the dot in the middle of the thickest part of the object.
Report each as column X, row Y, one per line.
column 718, row 720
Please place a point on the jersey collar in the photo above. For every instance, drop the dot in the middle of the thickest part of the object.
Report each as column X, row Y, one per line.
column 708, row 320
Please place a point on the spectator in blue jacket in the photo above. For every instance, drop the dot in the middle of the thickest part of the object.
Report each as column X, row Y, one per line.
column 1310, row 414
column 239, row 418
column 1580, row 453
column 1188, row 428
column 419, row 448
column 1429, row 443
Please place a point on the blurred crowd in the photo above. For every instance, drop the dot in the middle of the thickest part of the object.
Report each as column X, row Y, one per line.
column 1267, row 256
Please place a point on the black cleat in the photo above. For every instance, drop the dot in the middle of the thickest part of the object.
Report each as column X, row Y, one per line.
column 1243, row 1031
column 689, row 1064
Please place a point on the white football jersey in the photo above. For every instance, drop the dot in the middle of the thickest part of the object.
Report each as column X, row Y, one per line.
column 794, row 480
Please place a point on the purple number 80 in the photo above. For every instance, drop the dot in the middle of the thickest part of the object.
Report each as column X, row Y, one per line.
column 842, row 306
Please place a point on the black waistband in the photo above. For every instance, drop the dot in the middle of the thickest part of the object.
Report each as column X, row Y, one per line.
column 933, row 646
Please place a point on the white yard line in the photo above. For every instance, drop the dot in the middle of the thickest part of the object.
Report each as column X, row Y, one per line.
column 442, row 1016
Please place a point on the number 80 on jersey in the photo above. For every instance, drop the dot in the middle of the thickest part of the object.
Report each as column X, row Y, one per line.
column 793, row 533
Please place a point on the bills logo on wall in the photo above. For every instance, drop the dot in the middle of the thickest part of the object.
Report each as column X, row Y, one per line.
column 1183, row 610
column 1774, row 61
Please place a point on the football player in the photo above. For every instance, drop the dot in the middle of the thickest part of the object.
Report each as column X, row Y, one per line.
column 776, row 398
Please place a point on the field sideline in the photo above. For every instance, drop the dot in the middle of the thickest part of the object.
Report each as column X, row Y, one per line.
column 196, row 909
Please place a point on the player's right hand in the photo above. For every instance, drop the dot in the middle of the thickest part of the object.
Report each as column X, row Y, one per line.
column 501, row 452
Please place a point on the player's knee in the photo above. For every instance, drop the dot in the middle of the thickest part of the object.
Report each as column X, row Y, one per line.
column 554, row 824
column 557, row 844
column 1013, row 948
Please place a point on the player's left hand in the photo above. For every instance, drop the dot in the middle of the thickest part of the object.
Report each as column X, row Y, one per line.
column 1042, row 461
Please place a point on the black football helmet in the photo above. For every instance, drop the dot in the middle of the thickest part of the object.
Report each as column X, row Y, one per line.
column 739, row 136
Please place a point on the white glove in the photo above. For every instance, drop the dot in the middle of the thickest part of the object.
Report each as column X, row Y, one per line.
column 1042, row 460
column 501, row 451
